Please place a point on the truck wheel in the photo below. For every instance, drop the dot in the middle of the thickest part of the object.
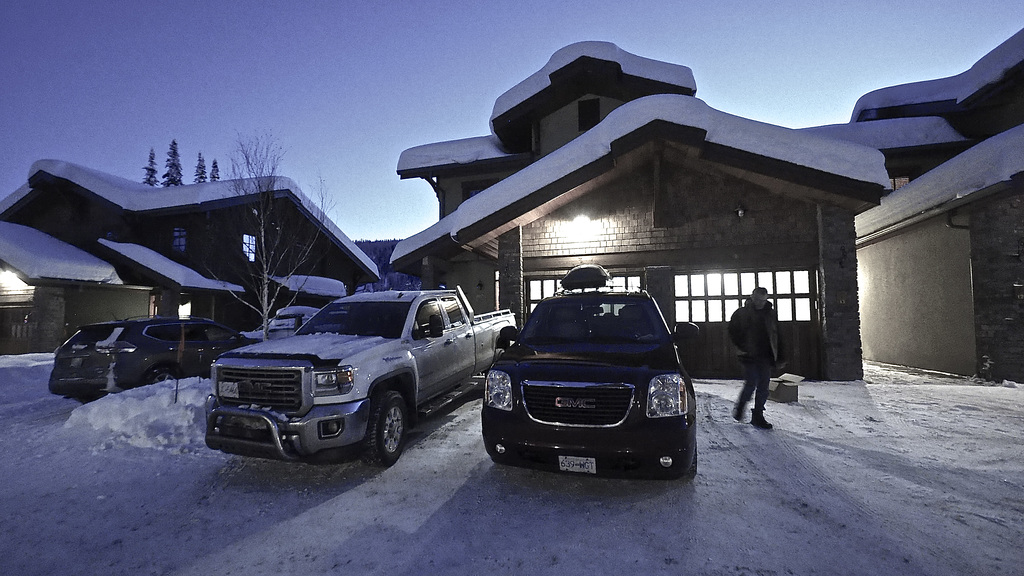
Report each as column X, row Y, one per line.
column 385, row 434
column 159, row 374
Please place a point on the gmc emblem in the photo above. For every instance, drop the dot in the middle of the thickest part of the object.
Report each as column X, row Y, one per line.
column 562, row 402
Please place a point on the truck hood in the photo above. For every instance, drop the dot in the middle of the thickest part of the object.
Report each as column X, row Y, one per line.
column 633, row 356
column 322, row 346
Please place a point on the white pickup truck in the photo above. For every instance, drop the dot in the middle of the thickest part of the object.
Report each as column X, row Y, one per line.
column 353, row 378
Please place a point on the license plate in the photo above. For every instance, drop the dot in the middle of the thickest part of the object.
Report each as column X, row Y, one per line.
column 577, row 464
column 229, row 389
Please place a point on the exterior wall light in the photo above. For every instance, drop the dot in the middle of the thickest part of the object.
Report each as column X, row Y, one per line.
column 740, row 211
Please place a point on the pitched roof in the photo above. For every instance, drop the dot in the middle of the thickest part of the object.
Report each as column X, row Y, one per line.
column 893, row 132
column 852, row 162
column 164, row 267
column 39, row 256
column 987, row 72
column 981, row 168
column 138, row 197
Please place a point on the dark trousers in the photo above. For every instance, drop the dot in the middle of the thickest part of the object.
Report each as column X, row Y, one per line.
column 756, row 374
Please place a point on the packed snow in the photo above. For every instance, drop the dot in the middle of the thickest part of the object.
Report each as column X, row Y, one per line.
column 904, row 473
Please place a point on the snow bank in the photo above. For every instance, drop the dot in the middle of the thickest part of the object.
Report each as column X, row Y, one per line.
column 892, row 132
column 154, row 416
column 315, row 285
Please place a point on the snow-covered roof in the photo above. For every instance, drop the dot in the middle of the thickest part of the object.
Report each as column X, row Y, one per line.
column 138, row 197
column 464, row 151
column 39, row 256
column 631, row 64
column 839, row 157
column 315, row 285
column 892, row 133
column 159, row 264
column 988, row 163
column 990, row 69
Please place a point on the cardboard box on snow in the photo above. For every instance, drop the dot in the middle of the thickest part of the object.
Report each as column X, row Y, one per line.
column 784, row 388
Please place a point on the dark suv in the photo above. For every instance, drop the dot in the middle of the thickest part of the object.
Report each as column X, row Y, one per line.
column 593, row 384
column 112, row 356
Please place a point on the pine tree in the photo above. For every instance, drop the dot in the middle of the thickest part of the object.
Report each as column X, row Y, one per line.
column 173, row 175
column 200, row 170
column 214, row 171
column 150, row 179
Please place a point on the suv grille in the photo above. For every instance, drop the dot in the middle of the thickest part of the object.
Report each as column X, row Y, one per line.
column 279, row 388
column 577, row 404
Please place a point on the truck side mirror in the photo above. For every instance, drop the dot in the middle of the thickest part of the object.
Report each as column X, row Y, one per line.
column 436, row 326
column 685, row 331
column 506, row 336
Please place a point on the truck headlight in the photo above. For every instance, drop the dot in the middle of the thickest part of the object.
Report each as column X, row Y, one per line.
column 498, row 390
column 666, row 396
column 334, row 381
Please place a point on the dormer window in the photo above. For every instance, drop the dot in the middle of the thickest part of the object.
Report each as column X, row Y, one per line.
column 178, row 240
column 588, row 113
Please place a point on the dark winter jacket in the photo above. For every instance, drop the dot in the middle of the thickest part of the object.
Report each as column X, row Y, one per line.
column 756, row 333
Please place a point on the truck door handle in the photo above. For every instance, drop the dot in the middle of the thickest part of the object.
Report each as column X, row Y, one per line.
column 468, row 336
column 449, row 341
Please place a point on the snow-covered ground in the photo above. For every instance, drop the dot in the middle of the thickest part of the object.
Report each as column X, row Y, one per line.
column 905, row 473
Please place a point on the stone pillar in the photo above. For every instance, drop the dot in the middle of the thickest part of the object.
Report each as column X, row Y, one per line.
column 428, row 274
column 510, row 272
column 46, row 322
column 661, row 285
column 842, row 356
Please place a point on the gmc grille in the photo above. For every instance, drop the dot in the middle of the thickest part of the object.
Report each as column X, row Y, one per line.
column 278, row 388
column 577, row 404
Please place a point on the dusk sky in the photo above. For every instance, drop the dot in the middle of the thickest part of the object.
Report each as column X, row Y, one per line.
column 344, row 87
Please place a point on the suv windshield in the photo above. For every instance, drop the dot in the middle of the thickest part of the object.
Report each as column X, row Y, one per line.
column 359, row 319
column 588, row 319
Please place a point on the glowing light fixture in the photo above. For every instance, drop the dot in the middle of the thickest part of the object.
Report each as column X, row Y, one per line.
column 10, row 281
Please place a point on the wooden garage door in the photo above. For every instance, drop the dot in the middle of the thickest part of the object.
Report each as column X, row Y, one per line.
column 708, row 299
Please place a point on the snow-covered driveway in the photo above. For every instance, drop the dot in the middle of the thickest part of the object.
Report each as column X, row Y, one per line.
column 904, row 474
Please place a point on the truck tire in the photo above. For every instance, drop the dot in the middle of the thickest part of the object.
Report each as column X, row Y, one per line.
column 385, row 433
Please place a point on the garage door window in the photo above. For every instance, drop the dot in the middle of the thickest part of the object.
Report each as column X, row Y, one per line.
column 714, row 296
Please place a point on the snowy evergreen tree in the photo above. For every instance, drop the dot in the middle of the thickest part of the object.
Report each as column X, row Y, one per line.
column 150, row 179
column 173, row 175
column 214, row 171
column 200, row 170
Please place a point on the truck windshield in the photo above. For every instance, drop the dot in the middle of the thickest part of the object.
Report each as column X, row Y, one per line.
column 359, row 319
column 613, row 320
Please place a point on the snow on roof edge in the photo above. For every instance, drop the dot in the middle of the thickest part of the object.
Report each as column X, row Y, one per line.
column 675, row 74
column 986, row 164
column 840, row 157
column 892, row 132
column 39, row 256
column 463, row 151
column 989, row 69
column 139, row 197
column 160, row 264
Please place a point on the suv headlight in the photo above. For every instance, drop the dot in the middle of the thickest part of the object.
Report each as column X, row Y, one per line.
column 666, row 396
column 334, row 381
column 498, row 390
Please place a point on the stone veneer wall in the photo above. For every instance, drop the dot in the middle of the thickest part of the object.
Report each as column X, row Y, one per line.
column 839, row 298
column 997, row 235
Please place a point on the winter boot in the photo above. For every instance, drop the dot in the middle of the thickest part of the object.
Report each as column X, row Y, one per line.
column 737, row 411
column 757, row 419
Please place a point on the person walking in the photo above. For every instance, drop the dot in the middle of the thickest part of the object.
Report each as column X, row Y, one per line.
column 754, row 329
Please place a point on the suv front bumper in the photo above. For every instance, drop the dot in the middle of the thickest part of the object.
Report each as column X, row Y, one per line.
column 637, row 447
